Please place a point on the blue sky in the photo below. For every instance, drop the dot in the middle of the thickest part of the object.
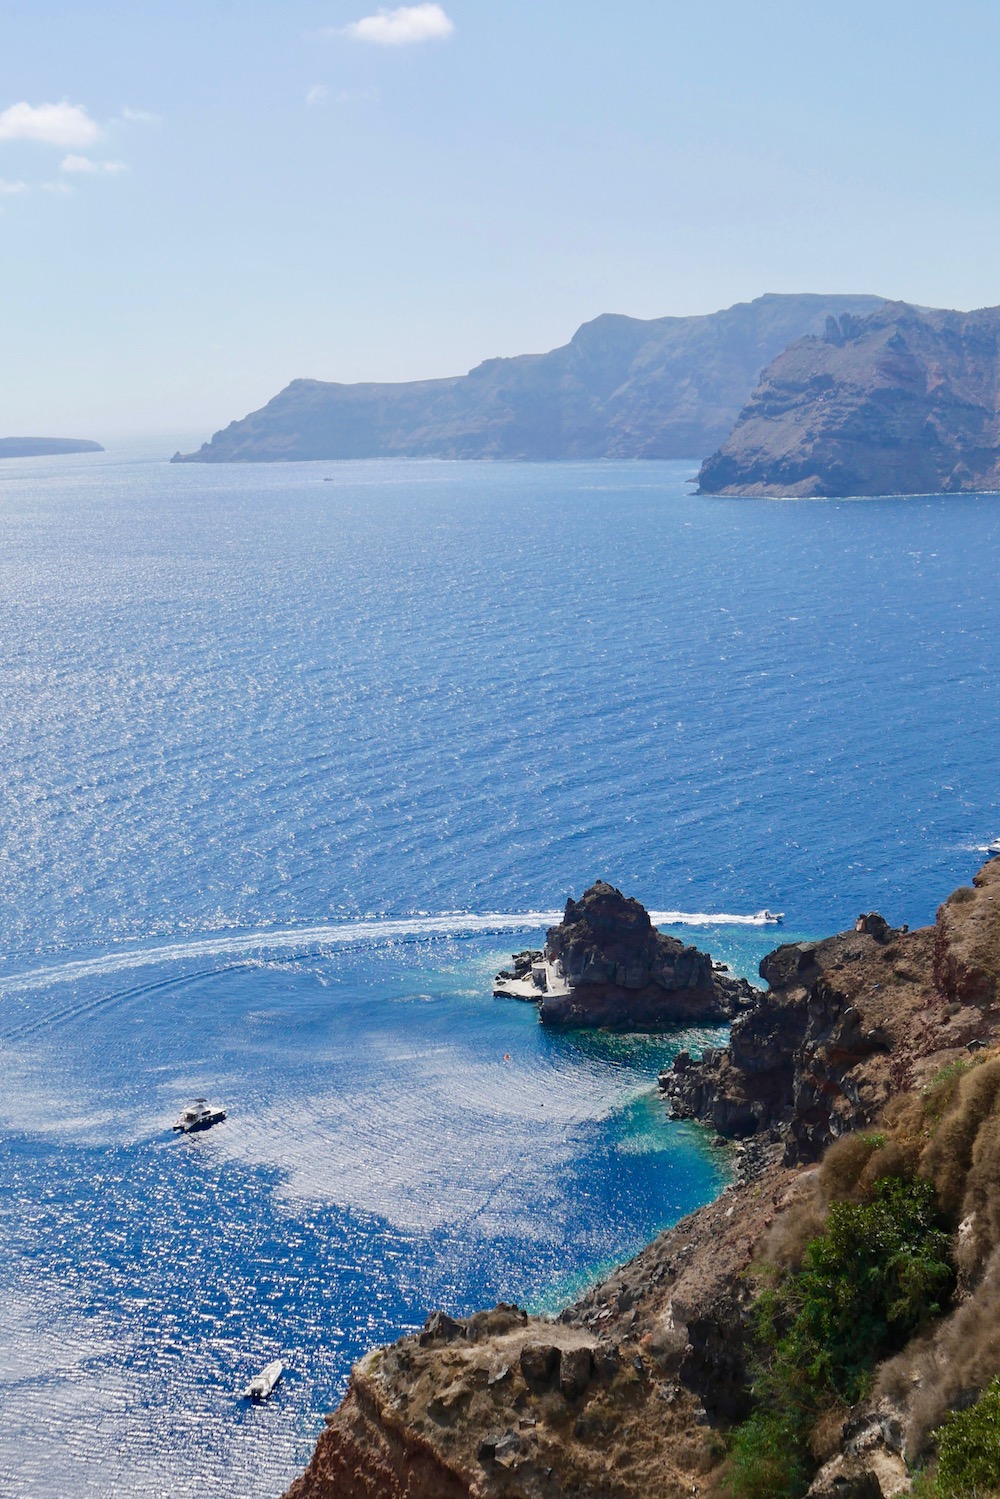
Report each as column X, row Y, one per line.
column 236, row 193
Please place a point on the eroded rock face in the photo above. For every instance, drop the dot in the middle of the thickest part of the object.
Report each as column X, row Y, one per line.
column 614, row 969
column 967, row 940
column 904, row 401
column 844, row 1024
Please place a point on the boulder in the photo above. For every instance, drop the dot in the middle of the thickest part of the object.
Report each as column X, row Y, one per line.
column 539, row 1365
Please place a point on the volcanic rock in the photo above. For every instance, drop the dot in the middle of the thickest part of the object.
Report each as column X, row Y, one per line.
column 607, row 965
column 903, row 401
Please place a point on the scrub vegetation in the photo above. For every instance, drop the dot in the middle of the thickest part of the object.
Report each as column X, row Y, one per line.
column 856, row 1298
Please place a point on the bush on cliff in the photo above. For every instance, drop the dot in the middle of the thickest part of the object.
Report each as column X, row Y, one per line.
column 879, row 1270
column 968, row 1465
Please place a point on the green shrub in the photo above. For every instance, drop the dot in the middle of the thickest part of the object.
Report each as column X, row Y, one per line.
column 969, row 1448
column 878, row 1271
column 767, row 1456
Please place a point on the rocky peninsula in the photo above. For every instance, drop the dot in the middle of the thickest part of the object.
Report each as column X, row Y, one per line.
column 606, row 965
column 863, row 1089
column 622, row 387
column 45, row 447
column 903, row 401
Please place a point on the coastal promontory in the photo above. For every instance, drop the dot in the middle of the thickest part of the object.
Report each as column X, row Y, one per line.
column 829, row 1327
column 606, row 965
column 623, row 387
column 45, row 447
column 903, row 401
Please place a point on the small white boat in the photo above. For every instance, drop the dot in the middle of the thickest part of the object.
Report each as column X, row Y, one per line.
column 993, row 847
column 198, row 1114
column 262, row 1384
column 771, row 917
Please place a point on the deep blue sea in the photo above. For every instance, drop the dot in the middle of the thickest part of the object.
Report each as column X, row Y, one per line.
column 291, row 758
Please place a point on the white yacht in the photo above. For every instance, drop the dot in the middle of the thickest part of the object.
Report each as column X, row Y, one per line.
column 262, row 1384
column 993, row 847
column 771, row 917
column 198, row 1114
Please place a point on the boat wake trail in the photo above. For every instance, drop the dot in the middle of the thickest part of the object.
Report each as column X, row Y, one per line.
column 310, row 941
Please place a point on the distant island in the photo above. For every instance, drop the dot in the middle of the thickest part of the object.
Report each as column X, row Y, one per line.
column 45, row 447
column 903, row 401
column 622, row 387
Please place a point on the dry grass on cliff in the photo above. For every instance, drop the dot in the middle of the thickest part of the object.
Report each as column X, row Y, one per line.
column 954, row 1361
column 947, row 1133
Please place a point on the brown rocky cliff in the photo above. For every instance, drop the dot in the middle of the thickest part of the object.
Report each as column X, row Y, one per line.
column 844, row 1025
column 620, row 972
column 621, row 1397
column 904, row 401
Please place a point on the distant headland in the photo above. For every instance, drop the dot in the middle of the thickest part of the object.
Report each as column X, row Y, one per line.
column 903, row 401
column 45, row 447
column 622, row 387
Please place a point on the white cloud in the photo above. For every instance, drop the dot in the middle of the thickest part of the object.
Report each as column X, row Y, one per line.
column 403, row 26
column 84, row 164
column 140, row 116
column 12, row 187
column 317, row 94
column 53, row 124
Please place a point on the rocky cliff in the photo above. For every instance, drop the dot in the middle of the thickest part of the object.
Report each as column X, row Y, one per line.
column 631, row 1392
column 606, row 965
column 903, row 401
column 621, row 388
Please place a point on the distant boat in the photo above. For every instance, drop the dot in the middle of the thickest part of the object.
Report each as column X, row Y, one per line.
column 993, row 847
column 262, row 1384
column 772, row 917
column 198, row 1114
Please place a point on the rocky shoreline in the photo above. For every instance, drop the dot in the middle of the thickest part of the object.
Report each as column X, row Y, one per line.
column 633, row 1390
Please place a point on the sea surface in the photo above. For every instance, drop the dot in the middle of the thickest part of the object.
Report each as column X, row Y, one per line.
column 291, row 758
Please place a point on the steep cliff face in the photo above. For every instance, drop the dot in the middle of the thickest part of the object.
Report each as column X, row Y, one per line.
column 903, row 401
column 845, row 1024
column 621, row 388
column 627, row 1393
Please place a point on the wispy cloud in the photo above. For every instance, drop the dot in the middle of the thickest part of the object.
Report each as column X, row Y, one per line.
column 86, row 165
column 53, row 124
column 317, row 94
column 403, row 26
column 12, row 187
column 140, row 116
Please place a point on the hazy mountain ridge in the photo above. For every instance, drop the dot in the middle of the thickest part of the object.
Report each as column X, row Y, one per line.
column 621, row 388
column 904, row 401
column 45, row 447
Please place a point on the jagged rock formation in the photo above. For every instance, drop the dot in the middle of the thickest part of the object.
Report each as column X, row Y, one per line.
column 903, row 401
column 45, row 447
column 626, row 1394
column 606, row 965
column 621, row 388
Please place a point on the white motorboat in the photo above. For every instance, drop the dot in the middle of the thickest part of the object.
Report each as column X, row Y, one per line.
column 993, row 847
column 262, row 1384
column 771, row 917
column 198, row 1114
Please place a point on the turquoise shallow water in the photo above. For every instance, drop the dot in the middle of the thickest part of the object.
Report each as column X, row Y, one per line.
column 274, row 753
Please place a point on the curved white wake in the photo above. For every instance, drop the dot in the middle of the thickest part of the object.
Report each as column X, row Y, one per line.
column 314, row 940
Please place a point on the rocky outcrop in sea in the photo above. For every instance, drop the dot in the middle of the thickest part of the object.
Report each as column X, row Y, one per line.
column 606, row 965
column 903, row 401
